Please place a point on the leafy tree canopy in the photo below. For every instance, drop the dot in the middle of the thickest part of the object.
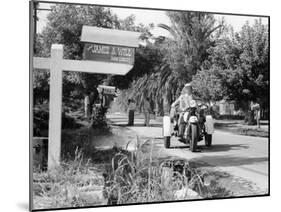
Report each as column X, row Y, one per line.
column 242, row 59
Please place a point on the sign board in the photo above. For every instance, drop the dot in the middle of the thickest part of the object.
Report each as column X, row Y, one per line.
column 110, row 90
column 255, row 106
column 109, row 53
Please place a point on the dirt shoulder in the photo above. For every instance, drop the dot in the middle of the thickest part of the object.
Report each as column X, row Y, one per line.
column 224, row 183
column 237, row 127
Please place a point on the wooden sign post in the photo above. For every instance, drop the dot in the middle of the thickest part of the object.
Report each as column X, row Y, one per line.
column 55, row 106
column 56, row 64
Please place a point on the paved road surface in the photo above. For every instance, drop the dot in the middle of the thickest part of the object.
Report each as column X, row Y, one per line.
column 241, row 156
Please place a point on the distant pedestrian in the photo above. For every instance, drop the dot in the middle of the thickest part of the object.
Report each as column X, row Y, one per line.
column 131, row 112
column 92, row 97
column 87, row 106
column 255, row 108
column 258, row 117
column 146, row 110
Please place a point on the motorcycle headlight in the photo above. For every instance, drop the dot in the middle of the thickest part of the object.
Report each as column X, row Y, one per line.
column 193, row 103
column 204, row 107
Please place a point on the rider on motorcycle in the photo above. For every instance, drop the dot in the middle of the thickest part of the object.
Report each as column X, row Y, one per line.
column 182, row 104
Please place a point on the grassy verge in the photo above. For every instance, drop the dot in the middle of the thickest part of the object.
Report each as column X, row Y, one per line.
column 155, row 181
column 237, row 127
column 82, row 139
column 117, row 176
column 253, row 132
column 68, row 185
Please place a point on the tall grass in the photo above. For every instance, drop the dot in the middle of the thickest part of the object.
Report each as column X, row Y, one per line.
column 128, row 177
column 67, row 185
column 141, row 178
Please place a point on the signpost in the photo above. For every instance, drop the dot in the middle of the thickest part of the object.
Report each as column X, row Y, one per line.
column 105, row 61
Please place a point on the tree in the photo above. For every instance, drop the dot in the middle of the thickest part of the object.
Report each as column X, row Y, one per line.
column 147, row 56
column 181, row 57
column 193, row 34
column 254, row 58
column 207, row 85
column 64, row 26
column 242, row 59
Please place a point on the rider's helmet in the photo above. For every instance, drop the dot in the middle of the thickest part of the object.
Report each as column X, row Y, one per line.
column 187, row 89
column 187, row 85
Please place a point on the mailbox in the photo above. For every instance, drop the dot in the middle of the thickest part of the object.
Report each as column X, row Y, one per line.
column 40, row 153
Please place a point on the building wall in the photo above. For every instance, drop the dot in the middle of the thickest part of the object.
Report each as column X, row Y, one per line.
column 226, row 108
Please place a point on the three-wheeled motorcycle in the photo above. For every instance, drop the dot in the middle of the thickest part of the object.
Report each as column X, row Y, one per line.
column 190, row 126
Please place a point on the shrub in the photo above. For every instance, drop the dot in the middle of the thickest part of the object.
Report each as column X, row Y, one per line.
column 128, row 177
column 41, row 120
column 137, row 177
column 98, row 118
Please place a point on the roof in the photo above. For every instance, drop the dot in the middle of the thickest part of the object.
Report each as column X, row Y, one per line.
column 107, row 87
column 116, row 37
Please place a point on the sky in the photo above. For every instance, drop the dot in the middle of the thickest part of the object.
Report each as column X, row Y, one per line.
column 155, row 16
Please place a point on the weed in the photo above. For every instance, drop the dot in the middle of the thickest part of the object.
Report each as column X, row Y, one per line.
column 139, row 178
column 117, row 176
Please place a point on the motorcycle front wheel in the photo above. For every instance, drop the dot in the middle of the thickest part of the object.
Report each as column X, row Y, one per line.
column 167, row 140
column 194, row 137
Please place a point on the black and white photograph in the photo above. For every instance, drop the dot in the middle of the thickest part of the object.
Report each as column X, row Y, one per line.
column 135, row 105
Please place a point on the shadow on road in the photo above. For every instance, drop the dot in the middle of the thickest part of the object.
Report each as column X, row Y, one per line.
column 179, row 147
column 221, row 161
column 135, row 125
column 214, row 148
column 226, row 161
column 222, row 147
column 226, row 124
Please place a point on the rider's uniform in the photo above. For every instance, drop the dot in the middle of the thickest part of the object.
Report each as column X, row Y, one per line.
column 183, row 102
column 181, row 105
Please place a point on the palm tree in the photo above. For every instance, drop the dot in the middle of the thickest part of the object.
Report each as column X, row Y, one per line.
column 191, row 37
column 184, row 53
column 192, row 34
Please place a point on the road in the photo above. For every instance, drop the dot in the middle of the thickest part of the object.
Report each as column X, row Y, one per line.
column 243, row 157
